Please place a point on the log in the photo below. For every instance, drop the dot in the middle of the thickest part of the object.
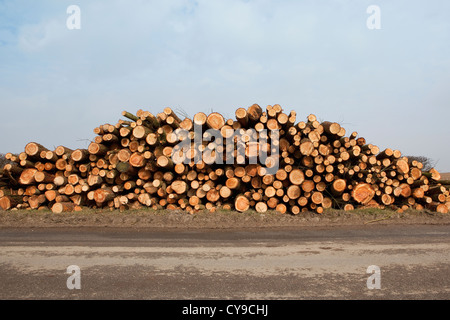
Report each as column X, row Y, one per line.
column 60, row 180
column 179, row 186
column 43, row 177
column 261, row 207
column 363, row 193
column 34, row 149
column 13, row 169
column 432, row 174
column 296, row 177
column 103, row 195
column 164, row 162
column 317, row 197
column 9, row 202
column 338, row 186
column 332, row 128
column 402, row 166
column 27, row 176
column 80, row 155
column 437, row 207
column 233, row 183
column 215, row 121
column 213, row 195
column 293, row 192
column 225, row 192
column 254, row 113
column 35, row 201
column 94, row 180
column 308, row 186
column 242, row 116
column 200, row 119
column 51, row 195
column 137, row 160
column 141, row 132
column 241, row 203
column 61, row 207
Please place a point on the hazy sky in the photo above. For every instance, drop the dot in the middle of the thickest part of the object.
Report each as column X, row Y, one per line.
column 391, row 85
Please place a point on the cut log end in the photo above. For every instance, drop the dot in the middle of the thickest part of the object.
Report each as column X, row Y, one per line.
column 363, row 193
column 242, row 203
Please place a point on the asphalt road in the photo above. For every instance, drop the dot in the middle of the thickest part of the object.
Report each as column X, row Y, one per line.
column 314, row 263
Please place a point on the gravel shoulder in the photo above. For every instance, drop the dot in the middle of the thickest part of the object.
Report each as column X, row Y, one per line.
column 165, row 219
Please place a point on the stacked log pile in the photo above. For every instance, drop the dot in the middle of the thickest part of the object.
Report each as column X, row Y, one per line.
column 133, row 164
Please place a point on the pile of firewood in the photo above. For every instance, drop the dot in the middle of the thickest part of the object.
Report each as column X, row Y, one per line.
column 138, row 163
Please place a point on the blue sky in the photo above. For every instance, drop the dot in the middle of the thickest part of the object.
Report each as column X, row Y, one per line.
column 390, row 85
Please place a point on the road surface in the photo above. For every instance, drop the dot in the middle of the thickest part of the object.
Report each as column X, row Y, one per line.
column 296, row 263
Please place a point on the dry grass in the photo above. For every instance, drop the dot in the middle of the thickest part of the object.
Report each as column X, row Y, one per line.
column 445, row 176
column 171, row 219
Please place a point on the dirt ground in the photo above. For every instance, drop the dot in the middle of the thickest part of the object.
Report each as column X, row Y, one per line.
column 166, row 219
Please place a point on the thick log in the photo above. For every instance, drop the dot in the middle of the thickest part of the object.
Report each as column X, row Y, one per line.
column 432, row 174
column 215, row 121
column 438, row 207
column 61, row 207
column 402, row 166
column 200, row 119
column 9, row 202
column 51, row 195
column 317, row 197
column 179, row 186
column 34, row 149
column 36, row 201
column 27, row 176
column 44, row 177
column 296, row 177
column 137, row 160
column 308, row 186
column 261, row 207
column 242, row 203
column 141, row 132
column 293, row 192
column 103, row 195
column 363, row 193
column 94, row 180
column 254, row 113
